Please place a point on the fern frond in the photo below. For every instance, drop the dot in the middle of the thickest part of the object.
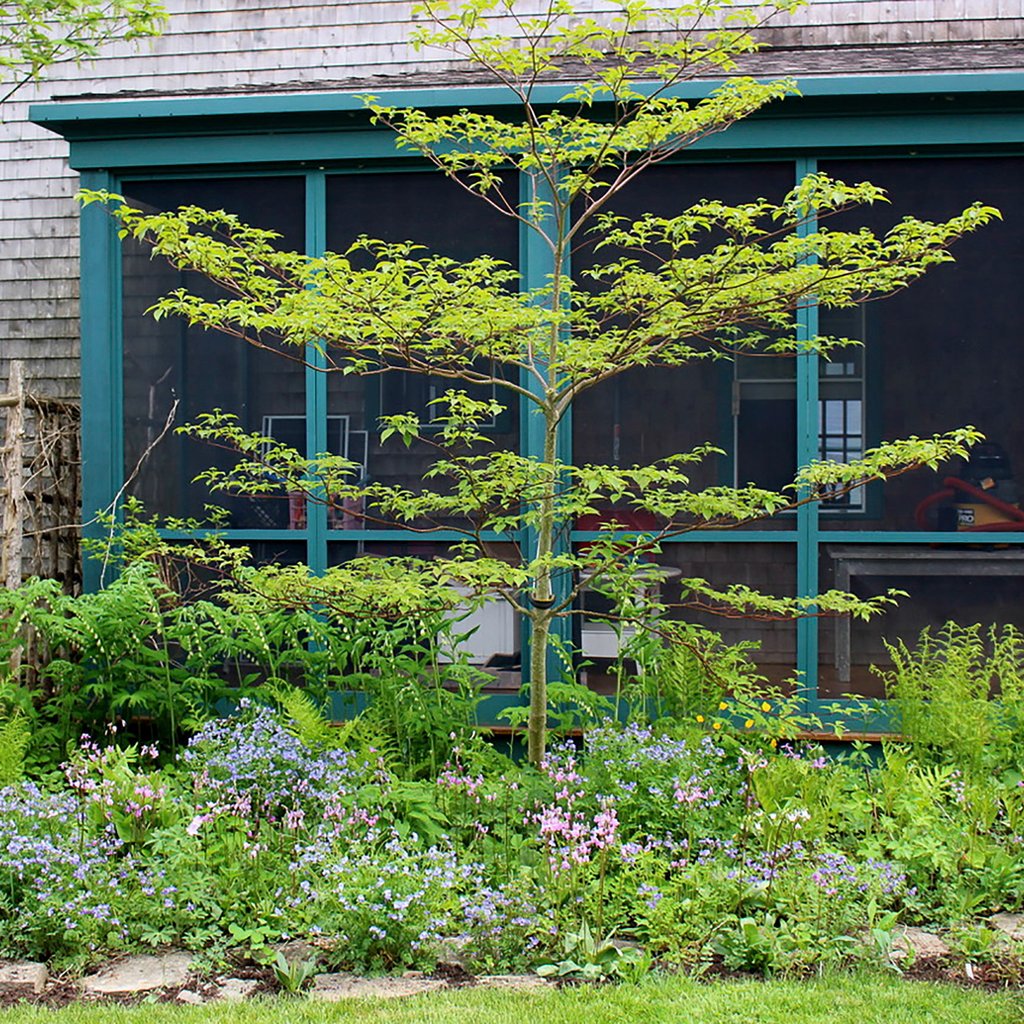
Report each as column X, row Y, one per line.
column 15, row 737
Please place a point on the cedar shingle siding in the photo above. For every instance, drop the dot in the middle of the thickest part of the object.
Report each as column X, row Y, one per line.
column 261, row 45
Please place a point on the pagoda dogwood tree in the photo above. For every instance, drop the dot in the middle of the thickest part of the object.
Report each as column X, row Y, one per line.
column 36, row 34
column 713, row 281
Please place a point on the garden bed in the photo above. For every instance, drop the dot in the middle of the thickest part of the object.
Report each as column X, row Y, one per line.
column 699, row 851
column 716, row 841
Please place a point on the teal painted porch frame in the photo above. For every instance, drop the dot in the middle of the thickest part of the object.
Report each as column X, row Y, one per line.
column 536, row 266
column 71, row 118
column 807, row 370
column 102, row 363
column 316, row 378
column 920, row 110
column 865, row 134
column 981, row 114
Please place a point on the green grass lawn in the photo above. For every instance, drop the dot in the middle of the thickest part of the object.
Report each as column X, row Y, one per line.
column 846, row 999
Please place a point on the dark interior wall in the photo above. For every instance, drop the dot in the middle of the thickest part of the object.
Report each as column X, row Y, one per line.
column 205, row 370
column 428, row 209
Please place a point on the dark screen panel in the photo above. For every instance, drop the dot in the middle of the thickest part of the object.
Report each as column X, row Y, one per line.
column 167, row 360
column 941, row 353
column 426, row 208
column 646, row 414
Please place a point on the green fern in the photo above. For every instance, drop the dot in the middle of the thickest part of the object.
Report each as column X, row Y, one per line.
column 15, row 737
column 695, row 670
column 306, row 718
column 959, row 694
column 309, row 721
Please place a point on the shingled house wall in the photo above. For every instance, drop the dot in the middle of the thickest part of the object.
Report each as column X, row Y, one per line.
column 272, row 45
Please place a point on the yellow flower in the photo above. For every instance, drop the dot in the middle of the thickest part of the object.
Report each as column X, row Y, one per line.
column 775, row 743
column 700, row 718
column 716, row 725
column 722, row 706
column 748, row 723
column 766, row 706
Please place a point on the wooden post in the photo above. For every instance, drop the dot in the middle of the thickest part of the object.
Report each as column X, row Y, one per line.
column 12, row 462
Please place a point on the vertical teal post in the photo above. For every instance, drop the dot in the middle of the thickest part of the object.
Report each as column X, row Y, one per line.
column 316, row 378
column 101, row 355
column 807, row 414
column 536, row 266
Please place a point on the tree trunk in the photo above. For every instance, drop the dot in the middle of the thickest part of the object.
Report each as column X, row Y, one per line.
column 537, row 724
column 543, row 598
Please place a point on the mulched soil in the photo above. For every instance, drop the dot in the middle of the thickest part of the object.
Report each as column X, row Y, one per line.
column 1006, row 973
column 61, row 993
column 268, row 984
column 56, row 995
column 455, row 974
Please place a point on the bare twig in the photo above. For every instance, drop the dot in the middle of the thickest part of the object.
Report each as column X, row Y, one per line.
column 111, row 509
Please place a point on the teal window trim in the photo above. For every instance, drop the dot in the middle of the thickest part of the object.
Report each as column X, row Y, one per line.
column 807, row 440
column 919, row 111
column 414, row 536
column 781, row 136
column 399, row 535
column 718, row 536
column 239, row 536
column 75, row 118
column 922, row 116
column 536, row 267
column 925, row 538
column 101, row 355
column 316, row 378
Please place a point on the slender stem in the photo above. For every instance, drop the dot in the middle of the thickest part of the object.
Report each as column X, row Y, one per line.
column 537, row 723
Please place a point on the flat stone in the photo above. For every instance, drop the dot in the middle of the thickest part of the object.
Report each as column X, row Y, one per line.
column 189, row 998
column 623, row 944
column 23, row 976
column 333, row 988
column 236, row 990
column 1011, row 925
column 453, row 950
column 139, row 974
column 514, row 982
column 918, row 942
column 296, row 951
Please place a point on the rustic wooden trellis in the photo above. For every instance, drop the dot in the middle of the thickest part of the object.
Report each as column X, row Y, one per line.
column 40, row 463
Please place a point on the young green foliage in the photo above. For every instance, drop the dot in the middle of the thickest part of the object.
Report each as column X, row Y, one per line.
column 35, row 34
column 714, row 281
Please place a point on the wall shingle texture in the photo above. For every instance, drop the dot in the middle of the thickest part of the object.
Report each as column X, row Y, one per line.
column 216, row 46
